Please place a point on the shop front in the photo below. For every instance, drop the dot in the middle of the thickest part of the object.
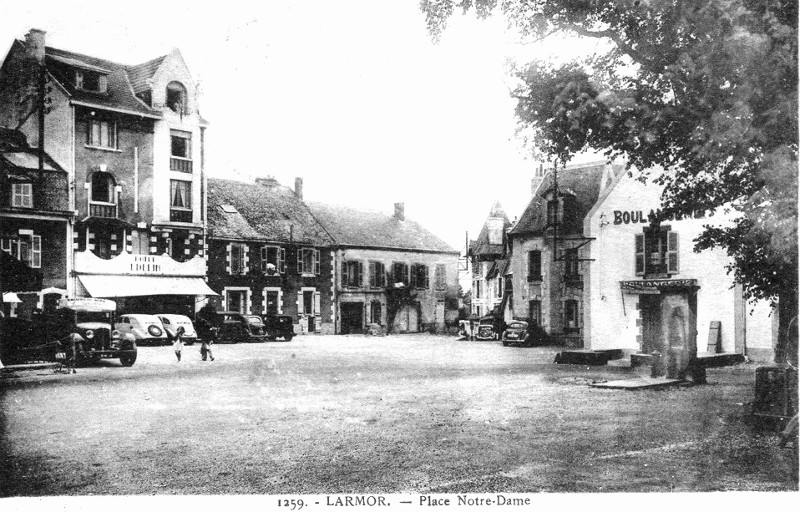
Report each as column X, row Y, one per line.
column 149, row 284
column 647, row 291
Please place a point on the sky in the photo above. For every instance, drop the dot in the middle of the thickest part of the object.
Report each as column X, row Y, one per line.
column 353, row 96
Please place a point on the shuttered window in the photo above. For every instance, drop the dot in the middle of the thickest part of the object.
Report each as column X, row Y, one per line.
column 377, row 274
column 640, row 255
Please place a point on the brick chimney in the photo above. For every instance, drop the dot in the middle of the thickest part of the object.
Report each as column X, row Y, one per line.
column 400, row 211
column 538, row 177
column 34, row 40
column 298, row 188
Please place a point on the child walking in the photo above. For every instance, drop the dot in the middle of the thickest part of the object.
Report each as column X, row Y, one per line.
column 177, row 343
column 205, row 348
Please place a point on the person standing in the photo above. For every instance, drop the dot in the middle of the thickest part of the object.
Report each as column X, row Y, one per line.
column 177, row 342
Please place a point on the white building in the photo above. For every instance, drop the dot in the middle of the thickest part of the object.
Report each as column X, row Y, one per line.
column 646, row 289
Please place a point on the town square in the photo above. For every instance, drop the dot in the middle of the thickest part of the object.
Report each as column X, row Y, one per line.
column 463, row 251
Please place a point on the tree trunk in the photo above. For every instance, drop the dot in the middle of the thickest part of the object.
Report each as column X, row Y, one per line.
column 786, row 346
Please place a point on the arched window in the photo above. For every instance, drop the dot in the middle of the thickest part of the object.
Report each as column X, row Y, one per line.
column 176, row 97
column 102, row 187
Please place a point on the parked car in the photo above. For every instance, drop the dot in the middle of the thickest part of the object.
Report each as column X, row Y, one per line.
column 235, row 327
column 146, row 329
column 279, row 326
column 517, row 333
column 171, row 324
column 489, row 328
column 79, row 330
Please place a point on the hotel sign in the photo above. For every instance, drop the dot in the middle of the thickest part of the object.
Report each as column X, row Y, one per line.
column 139, row 265
column 656, row 286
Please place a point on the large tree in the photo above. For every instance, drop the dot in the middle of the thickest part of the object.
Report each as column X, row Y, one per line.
column 705, row 90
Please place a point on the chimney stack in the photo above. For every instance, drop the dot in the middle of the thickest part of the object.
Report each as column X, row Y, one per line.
column 34, row 40
column 538, row 177
column 400, row 211
column 298, row 188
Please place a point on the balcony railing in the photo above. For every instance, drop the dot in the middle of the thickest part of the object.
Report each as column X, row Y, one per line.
column 180, row 165
column 106, row 210
column 180, row 215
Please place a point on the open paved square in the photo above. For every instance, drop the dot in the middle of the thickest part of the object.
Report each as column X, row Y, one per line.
column 355, row 414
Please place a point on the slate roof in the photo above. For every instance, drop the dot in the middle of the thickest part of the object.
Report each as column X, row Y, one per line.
column 270, row 214
column 120, row 91
column 581, row 181
column 361, row 228
column 139, row 74
column 481, row 246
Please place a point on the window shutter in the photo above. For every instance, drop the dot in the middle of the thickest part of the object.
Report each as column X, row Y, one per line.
column 413, row 276
column 317, row 305
column 373, row 274
column 316, row 261
column 282, row 260
column 299, row 261
column 345, row 277
column 640, row 254
column 672, row 253
column 360, row 278
column 300, row 304
column 102, row 83
column 263, row 259
column 426, row 282
column 36, row 252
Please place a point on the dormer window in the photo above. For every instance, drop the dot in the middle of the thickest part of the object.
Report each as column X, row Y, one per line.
column 90, row 81
column 176, row 97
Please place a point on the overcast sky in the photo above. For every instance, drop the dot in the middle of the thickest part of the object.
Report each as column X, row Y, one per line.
column 351, row 95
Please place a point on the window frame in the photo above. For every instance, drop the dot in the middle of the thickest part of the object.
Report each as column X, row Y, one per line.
column 571, row 308
column 352, row 274
column 280, row 258
column 535, row 255
column 377, row 274
column 13, row 246
column 237, row 265
column 25, row 195
column 405, row 268
column 314, row 261
column 419, row 276
column 173, row 184
column 184, row 136
column 668, row 251
column 440, row 276
column 95, row 140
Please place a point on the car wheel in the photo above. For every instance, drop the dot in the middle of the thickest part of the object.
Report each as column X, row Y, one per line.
column 288, row 337
column 505, row 340
column 128, row 359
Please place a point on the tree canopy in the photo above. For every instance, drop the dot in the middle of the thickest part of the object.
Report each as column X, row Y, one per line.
column 707, row 91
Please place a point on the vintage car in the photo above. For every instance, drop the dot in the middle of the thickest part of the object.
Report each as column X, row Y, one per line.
column 489, row 328
column 146, row 329
column 517, row 333
column 235, row 327
column 279, row 326
column 79, row 331
column 171, row 324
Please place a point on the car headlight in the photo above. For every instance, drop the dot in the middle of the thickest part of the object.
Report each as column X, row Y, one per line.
column 89, row 334
column 115, row 335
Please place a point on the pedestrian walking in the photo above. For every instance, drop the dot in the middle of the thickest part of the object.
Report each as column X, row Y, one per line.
column 206, row 332
column 177, row 342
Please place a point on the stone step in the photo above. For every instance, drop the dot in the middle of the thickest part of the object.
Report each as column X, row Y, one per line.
column 639, row 383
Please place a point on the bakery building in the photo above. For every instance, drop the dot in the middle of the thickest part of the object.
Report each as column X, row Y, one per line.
column 645, row 290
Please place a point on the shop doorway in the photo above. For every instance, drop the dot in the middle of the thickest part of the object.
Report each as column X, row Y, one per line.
column 650, row 309
column 352, row 317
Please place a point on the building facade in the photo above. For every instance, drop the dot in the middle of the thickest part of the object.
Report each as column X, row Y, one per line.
column 549, row 250
column 268, row 255
column 131, row 140
column 391, row 274
column 35, row 227
column 488, row 257
column 647, row 290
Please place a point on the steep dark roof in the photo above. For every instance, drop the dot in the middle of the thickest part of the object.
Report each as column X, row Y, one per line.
column 360, row 228
column 273, row 214
column 482, row 246
column 140, row 73
column 16, row 154
column 581, row 182
column 120, row 91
